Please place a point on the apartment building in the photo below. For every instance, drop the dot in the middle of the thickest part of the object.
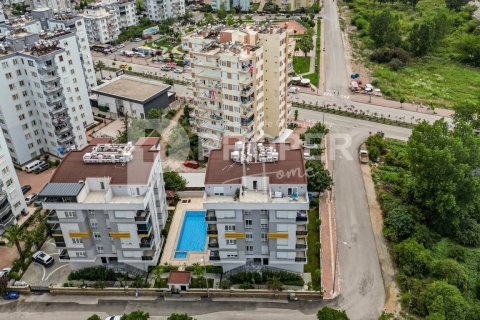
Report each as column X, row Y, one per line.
column 240, row 80
column 256, row 204
column 12, row 202
column 45, row 107
column 243, row 5
column 292, row 5
column 108, row 205
column 55, row 5
column 126, row 13
column 101, row 23
column 158, row 10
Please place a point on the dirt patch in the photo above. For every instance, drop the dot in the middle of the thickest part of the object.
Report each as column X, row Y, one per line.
column 392, row 303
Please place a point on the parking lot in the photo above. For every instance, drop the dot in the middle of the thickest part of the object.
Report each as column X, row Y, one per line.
column 38, row 275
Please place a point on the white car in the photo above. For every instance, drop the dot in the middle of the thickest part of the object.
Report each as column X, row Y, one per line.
column 43, row 258
column 113, row 318
column 5, row 272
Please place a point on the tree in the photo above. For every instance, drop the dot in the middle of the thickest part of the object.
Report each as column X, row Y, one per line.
column 274, row 284
column 14, row 234
column 230, row 20
column 442, row 162
column 305, row 44
column 295, row 114
column 469, row 48
column 178, row 316
column 412, row 258
column 155, row 113
column 455, row 4
column 318, row 177
column 385, row 29
column 221, row 13
column 94, row 317
column 421, row 38
column 467, row 112
column 122, row 135
column 445, row 300
column 327, row 313
column 451, row 271
column 173, row 181
column 399, row 224
column 136, row 315
column 402, row 101
column 209, row 19
column 99, row 66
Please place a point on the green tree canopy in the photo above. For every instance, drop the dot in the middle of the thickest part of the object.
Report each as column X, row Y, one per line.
column 94, row 317
column 136, row 315
column 412, row 258
column 14, row 235
column 179, row 316
column 327, row 313
column 318, row 177
column 443, row 299
column 385, row 29
column 173, row 181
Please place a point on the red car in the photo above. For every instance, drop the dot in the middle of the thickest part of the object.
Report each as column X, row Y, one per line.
column 191, row 164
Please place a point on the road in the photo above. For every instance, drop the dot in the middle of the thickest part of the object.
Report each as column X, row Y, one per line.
column 336, row 75
column 362, row 291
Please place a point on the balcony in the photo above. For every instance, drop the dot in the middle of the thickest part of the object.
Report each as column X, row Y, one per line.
column 212, row 229
column 50, row 77
column 210, row 216
column 302, row 215
column 60, row 244
column 146, row 243
column 64, row 255
column 52, row 89
column 56, row 231
column 47, row 68
column 143, row 229
column 62, row 129
column 246, row 122
column 212, row 243
column 301, row 243
column 52, row 217
column 142, row 215
column 214, row 256
column 301, row 257
column 58, row 110
column 55, row 99
column 147, row 258
column 64, row 138
column 302, row 230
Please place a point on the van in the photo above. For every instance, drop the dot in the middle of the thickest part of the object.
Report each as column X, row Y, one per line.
column 33, row 165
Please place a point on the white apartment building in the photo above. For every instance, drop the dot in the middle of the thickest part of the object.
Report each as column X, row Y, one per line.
column 55, row 5
column 108, row 205
column 12, row 202
column 101, row 24
column 243, row 5
column 292, row 5
column 240, row 80
column 158, row 10
column 256, row 203
column 126, row 12
column 45, row 106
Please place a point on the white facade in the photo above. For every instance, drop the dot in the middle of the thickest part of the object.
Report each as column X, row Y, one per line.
column 243, row 5
column 101, row 24
column 163, row 9
column 126, row 13
column 55, row 5
column 45, row 106
column 9, row 179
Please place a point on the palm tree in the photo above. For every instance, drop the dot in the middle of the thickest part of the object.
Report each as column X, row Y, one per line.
column 295, row 114
column 14, row 234
column 99, row 66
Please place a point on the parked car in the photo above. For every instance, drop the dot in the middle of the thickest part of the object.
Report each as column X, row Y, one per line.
column 43, row 258
column 124, row 66
column 178, row 70
column 191, row 164
column 11, row 295
column 137, row 39
column 29, row 199
column 113, row 318
column 139, row 54
column 26, row 188
column 42, row 168
column 5, row 272
column 120, row 46
column 38, row 202
column 165, row 68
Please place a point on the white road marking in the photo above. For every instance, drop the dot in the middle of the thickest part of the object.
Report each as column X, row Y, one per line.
column 54, row 271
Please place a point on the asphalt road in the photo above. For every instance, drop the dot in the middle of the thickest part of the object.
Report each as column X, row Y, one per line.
column 362, row 291
column 336, row 76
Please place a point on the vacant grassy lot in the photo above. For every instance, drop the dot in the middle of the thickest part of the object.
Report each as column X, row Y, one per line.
column 301, row 64
column 313, row 241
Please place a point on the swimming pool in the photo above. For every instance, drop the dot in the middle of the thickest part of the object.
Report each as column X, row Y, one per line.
column 193, row 235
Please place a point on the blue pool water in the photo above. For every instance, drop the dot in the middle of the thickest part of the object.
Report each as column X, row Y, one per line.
column 193, row 235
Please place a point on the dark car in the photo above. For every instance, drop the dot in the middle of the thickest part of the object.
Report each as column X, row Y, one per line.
column 42, row 168
column 191, row 164
column 11, row 295
column 26, row 188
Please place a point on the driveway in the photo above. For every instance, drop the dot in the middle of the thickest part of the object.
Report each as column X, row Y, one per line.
column 38, row 275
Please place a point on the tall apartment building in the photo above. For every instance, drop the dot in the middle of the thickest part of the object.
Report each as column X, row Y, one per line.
column 55, row 5
column 126, row 12
column 243, row 5
column 12, row 202
column 240, row 80
column 101, row 24
column 292, row 5
column 158, row 10
column 108, row 205
column 45, row 106
column 256, row 203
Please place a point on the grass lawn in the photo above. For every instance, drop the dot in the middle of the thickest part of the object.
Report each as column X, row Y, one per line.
column 301, row 64
column 433, row 80
column 313, row 241
column 164, row 43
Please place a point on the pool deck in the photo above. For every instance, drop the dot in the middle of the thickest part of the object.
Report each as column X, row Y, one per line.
column 168, row 255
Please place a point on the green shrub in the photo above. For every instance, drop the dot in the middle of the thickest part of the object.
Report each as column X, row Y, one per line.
column 246, row 286
column 95, row 274
column 412, row 258
column 451, row 271
column 317, row 280
column 456, row 252
column 399, row 224
column 225, row 284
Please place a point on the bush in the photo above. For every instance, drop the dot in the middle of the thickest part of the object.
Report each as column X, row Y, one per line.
column 317, row 280
column 444, row 299
column 451, row 271
column 14, row 275
column 246, row 286
column 327, row 313
column 412, row 258
column 456, row 252
column 225, row 284
column 399, row 224
column 395, row 64
column 385, row 55
column 210, row 269
column 95, row 274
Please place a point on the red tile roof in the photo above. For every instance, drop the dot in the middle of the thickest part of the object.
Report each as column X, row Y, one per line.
column 178, row 277
column 290, row 169
column 136, row 171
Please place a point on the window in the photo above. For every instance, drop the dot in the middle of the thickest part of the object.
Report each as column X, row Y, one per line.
column 264, row 237
column 100, row 249
column 264, row 226
column 232, row 255
column 102, row 185
column 93, row 223
column 248, row 224
column 97, row 236
column 9, row 182
column 248, row 236
column 231, row 242
column 249, row 249
column 77, row 241
column 91, row 213
column 230, row 227
column 80, row 254
column 70, row 214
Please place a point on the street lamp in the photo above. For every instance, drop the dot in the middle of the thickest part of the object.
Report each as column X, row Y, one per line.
column 206, row 280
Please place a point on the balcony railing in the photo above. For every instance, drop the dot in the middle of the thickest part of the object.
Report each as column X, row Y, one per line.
column 64, row 255
column 214, row 255
column 142, row 215
column 147, row 242
column 301, row 246
column 212, row 230
column 302, row 215
column 300, row 259
column 210, row 216
column 213, row 243
column 144, row 228
column 52, row 217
